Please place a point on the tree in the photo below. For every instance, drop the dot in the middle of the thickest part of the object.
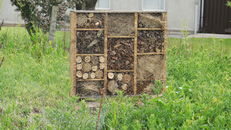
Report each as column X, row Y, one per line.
column 38, row 12
column 229, row 4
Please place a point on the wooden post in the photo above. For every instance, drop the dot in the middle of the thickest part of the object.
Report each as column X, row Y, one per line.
column 73, row 52
column 135, row 55
column 105, row 51
column 53, row 25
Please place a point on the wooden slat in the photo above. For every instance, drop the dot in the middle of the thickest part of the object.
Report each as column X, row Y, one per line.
column 135, row 54
column 73, row 51
column 110, row 11
column 165, row 46
column 120, row 71
column 121, row 36
column 89, row 54
column 89, row 29
column 90, row 80
column 105, row 51
column 149, row 29
column 151, row 53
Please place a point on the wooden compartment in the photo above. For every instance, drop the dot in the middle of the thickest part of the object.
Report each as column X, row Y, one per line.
column 90, row 42
column 89, row 88
column 150, row 67
column 150, row 41
column 120, row 54
column 122, row 81
column 121, row 24
column 150, row 20
column 113, row 51
column 90, row 20
column 90, row 67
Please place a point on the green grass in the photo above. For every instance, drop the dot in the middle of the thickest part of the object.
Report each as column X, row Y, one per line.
column 35, row 86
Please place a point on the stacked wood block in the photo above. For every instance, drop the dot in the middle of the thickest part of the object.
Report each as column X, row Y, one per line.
column 117, row 51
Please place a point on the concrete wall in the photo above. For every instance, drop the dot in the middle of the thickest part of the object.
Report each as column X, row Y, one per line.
column 181, row 13
column 8, row 13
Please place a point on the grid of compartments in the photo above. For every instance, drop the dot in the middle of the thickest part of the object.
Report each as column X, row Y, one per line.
column 113, row 51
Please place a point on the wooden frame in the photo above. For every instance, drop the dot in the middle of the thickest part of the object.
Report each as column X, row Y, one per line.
column 74, row 53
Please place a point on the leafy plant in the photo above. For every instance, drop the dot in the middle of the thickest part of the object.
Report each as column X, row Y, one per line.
column 229, row 4
column 38, row 12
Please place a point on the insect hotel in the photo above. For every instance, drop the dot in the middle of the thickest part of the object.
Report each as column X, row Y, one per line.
column 113, row 51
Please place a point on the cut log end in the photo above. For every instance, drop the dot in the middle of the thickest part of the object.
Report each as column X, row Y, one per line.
column 79, row 66
column 120, row 77
column 79, row 74
column 92, row 75
column 87, row 59
column 101, row 59
column 78, row 59
column 110, row 75
column 85, row 76
column 94, row 68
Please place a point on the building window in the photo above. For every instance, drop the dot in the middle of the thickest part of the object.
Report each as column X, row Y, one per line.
column 102, row 5
column 153, row 5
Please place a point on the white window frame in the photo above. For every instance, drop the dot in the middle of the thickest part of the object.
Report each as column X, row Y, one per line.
column 142, row 4
column 98, row 8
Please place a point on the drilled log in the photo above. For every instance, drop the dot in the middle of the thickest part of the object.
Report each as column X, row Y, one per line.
column 110, row 75
column 101, row 59
column 92, row 75
column 85, row 76
column 79, row 74
column 120, row 77
column 87, row 59
column 78, row 59
column 79, row 66
column 94, row 68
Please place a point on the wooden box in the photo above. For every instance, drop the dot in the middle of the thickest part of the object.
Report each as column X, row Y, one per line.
column 113, row 51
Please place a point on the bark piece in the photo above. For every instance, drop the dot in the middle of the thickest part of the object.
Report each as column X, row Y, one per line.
column 79, row 74
column 127, row 78
column 85, row 76
column 99, row 74
column 86, row 67
column 112, row 86
column 79, row 66
column 110, row 75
